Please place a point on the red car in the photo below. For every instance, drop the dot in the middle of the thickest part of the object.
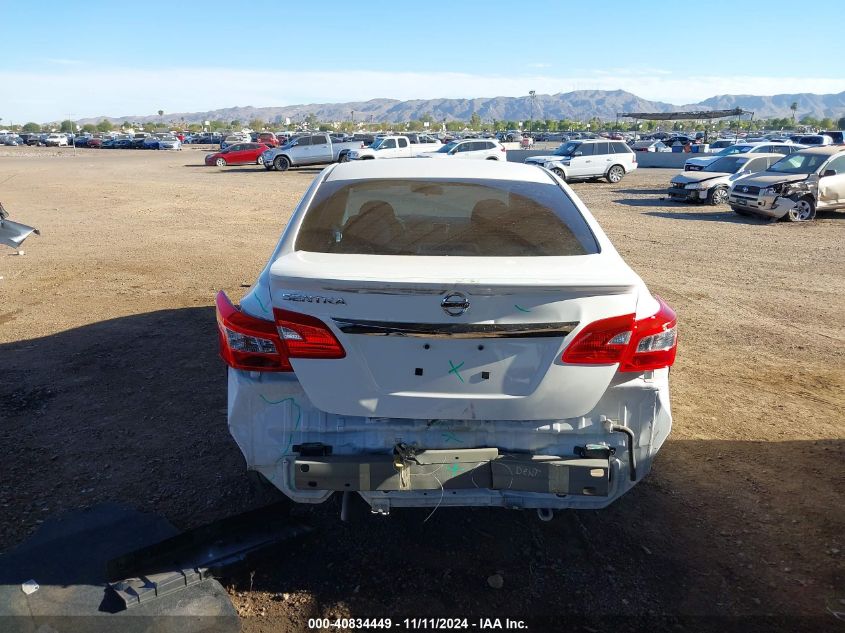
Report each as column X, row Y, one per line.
column 95, row 142
column 268, row 138
column 238, row 154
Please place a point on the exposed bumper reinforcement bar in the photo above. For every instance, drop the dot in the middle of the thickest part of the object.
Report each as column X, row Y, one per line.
column 475, row 468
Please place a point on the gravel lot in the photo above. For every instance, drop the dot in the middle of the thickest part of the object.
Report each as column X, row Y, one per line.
column 110, row 389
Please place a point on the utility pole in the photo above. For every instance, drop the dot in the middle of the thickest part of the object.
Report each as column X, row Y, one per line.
column 532, row 94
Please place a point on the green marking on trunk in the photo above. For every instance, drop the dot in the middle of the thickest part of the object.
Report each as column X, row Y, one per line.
column 455, row 369
column 520, row 308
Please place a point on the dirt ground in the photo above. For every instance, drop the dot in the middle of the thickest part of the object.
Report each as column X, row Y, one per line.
column 110, row 389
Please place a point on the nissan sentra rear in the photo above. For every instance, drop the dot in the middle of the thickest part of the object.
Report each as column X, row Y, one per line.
column 429, row 333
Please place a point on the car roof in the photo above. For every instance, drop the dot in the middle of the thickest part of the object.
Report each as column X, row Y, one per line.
column 824, row 150
column 446, row 169
column 755, row 155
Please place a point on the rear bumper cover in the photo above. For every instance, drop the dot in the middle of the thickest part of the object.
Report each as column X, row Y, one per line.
column 270, row 414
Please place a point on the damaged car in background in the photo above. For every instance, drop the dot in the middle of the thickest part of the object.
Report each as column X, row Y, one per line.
column 795, row 187
column 447, row 333
column 711, row 184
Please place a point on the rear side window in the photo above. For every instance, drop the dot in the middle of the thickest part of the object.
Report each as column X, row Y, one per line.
column 469, row 218
column 403, row 142
column 618, row 147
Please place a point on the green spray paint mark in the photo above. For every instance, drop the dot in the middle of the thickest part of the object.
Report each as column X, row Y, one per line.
column 454, row 468
column 298, row 410
column 450, row 437
column 263, row 307
column 455, row 369
column 520, row 308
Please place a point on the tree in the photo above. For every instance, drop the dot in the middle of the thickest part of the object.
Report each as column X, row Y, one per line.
column 104, row 126
column 235, row 124
column 840, row 124
column 161, row 113
column 475, row 121
column 257, row 125
column 794, row 107
column 66, row 126
column 89, row 128
column 31, row 127
column 826, row 123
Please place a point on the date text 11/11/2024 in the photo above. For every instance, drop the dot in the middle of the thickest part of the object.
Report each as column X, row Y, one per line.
column 417, row 624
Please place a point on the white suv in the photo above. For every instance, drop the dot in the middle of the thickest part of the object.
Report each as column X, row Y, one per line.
column 486, row 149
column 589, row 158
column 56, row 140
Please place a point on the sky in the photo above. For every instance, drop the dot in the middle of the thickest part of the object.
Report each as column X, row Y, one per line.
column 90, row 58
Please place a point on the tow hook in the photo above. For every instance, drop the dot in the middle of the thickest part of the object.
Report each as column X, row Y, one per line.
column 611, row 427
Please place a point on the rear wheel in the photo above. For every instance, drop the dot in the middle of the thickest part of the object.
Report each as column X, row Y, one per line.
column 717, row 195
column 281, row 163
column 615, row 174
column 559, row 172
column 220, row 162
column 803, row 211
column 343, row 158
column 259, row 160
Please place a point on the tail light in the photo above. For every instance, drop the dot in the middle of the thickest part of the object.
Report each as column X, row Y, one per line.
column 247, row 342
column 637, row 345
column 503, row 149
column 305, row 336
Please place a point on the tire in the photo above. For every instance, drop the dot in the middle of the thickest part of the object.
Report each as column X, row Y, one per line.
column 220, row 162
column 259, row 160
column 717, row 195
column 491, row 158
column 803, row 211
column 559, row 172
column 740, row 211
column 615, row 174
column 269, row 167
column 281, row 163
column 343, row 158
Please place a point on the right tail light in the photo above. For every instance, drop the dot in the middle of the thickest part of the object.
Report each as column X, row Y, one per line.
column 637, row 345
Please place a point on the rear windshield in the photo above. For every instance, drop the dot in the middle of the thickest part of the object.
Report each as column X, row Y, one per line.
column 469, row 218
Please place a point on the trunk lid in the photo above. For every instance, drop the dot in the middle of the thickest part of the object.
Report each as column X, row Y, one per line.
column 453, row 337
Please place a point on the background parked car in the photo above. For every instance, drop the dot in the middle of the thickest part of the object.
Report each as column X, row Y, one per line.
column 795, row 186
column 816, row 139
column 711, row 183
column 472, row 149
column 238, row 154
column 56, row 140
column 649, row 146
column 589, row 158
column 694, row 164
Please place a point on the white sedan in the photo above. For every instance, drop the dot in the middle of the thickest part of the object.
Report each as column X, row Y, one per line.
column 461, row 333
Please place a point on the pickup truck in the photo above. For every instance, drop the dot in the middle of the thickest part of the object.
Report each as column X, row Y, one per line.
column 395, row 147
column 307, row 149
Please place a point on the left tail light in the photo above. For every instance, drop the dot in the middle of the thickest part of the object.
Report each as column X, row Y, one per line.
column 636, row 344
column 247, row 342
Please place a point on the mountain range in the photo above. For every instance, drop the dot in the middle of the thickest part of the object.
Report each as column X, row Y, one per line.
column 578, row 105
